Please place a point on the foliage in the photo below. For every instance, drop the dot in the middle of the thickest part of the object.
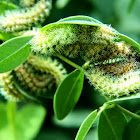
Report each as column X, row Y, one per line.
column 68, row 93
column 37, row 54
column 20, row 124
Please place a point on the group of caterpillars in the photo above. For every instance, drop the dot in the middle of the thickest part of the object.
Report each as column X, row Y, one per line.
column 114, row 65
column 37, row 75
column 29, row 14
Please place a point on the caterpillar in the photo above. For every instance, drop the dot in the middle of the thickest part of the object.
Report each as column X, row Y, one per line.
column 116, row 79
column 88, row 42
column 25, row 18
column 114, row 63
column 37, row 76
column 71, row 40
column 117, row 76
column 27, row 3
column 8, row 89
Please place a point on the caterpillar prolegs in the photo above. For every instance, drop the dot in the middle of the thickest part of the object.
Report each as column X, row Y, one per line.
column 114, row 64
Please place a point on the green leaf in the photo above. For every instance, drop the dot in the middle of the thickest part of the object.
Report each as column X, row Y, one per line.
column 23, row 124
column 80, row 20
column 6, row 36
column 86, row 125
column 84, row 20
column 131, row 5
column 29, row 121
column 14, row 52
column 111, row 125
column 7, row 6
column 129, row 40
column 3, row 117
column 68, row 93
column 132, row 97
column 132, row 131
column 72, row 121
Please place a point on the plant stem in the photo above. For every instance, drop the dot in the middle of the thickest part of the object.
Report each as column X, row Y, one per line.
column 127, row 112
column 71, row 63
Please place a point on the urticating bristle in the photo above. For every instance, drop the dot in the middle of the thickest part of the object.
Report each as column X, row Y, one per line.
column 71, row 40
column 8, row 89
column 38, row 75
column 116, row 79
column 24, row 19
column 27, row 3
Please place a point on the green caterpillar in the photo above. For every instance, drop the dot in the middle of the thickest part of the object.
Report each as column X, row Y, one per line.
column 113, row 57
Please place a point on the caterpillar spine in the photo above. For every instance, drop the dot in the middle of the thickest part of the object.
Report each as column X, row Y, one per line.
column 27, row 3
column 116, row 79
column 8, row 89
column 37, row 76
column 24, row 19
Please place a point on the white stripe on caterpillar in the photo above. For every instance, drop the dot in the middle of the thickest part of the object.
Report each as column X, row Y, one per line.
column 24, row 19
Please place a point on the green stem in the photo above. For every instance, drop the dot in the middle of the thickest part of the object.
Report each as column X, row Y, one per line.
column 71, row 63
column 106, row 106
column 127, row 112
column 107, row 99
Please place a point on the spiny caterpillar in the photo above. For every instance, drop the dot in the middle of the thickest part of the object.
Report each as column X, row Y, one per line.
column 117, row 76
column 116, row 79
column 24, row 19
column 36, row 76
column 27, row 3
column 114, row 66
column 8, row 89
column 71, row 40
